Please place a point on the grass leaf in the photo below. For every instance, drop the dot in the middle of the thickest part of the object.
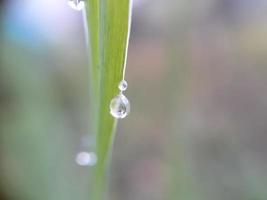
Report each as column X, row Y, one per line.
column 108, row 22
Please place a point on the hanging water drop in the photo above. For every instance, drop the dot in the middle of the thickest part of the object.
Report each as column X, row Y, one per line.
column 76, row 4
column 123, row 85
column 119, row 106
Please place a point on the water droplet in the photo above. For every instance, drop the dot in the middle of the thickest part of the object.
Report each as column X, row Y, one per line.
column 119, row 106
column 86, row 158
column 76, row 4
column 123, row 85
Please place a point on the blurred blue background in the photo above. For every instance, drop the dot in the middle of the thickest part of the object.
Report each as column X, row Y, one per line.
column 197, row 83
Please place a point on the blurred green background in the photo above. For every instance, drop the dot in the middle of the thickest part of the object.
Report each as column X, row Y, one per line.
column 198, row 88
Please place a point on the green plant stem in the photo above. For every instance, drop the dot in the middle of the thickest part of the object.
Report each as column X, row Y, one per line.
column 108, row 22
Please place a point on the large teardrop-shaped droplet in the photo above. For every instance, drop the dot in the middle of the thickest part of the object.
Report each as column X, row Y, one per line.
column 76, row 4
column 119, row 106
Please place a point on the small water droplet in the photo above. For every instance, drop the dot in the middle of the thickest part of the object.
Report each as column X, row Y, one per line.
column 86, row 158
column 76, row 4
column 123, row 85
column 119, row 106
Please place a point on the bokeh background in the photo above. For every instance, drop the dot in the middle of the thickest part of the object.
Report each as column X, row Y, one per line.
column 198, row 88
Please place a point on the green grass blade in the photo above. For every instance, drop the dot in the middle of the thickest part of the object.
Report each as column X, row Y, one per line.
column 108, row 22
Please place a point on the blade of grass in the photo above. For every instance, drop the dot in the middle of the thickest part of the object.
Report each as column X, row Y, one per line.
column 109, row 23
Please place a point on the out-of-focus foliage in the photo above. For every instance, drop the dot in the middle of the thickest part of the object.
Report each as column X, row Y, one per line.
column 197, row 84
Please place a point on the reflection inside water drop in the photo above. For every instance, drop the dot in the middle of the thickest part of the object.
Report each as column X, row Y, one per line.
column 76, row 4
column 86, row 158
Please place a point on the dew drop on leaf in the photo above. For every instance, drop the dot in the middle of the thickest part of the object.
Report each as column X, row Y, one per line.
column 119, row 106
column 123, row 85
column 76, row 4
